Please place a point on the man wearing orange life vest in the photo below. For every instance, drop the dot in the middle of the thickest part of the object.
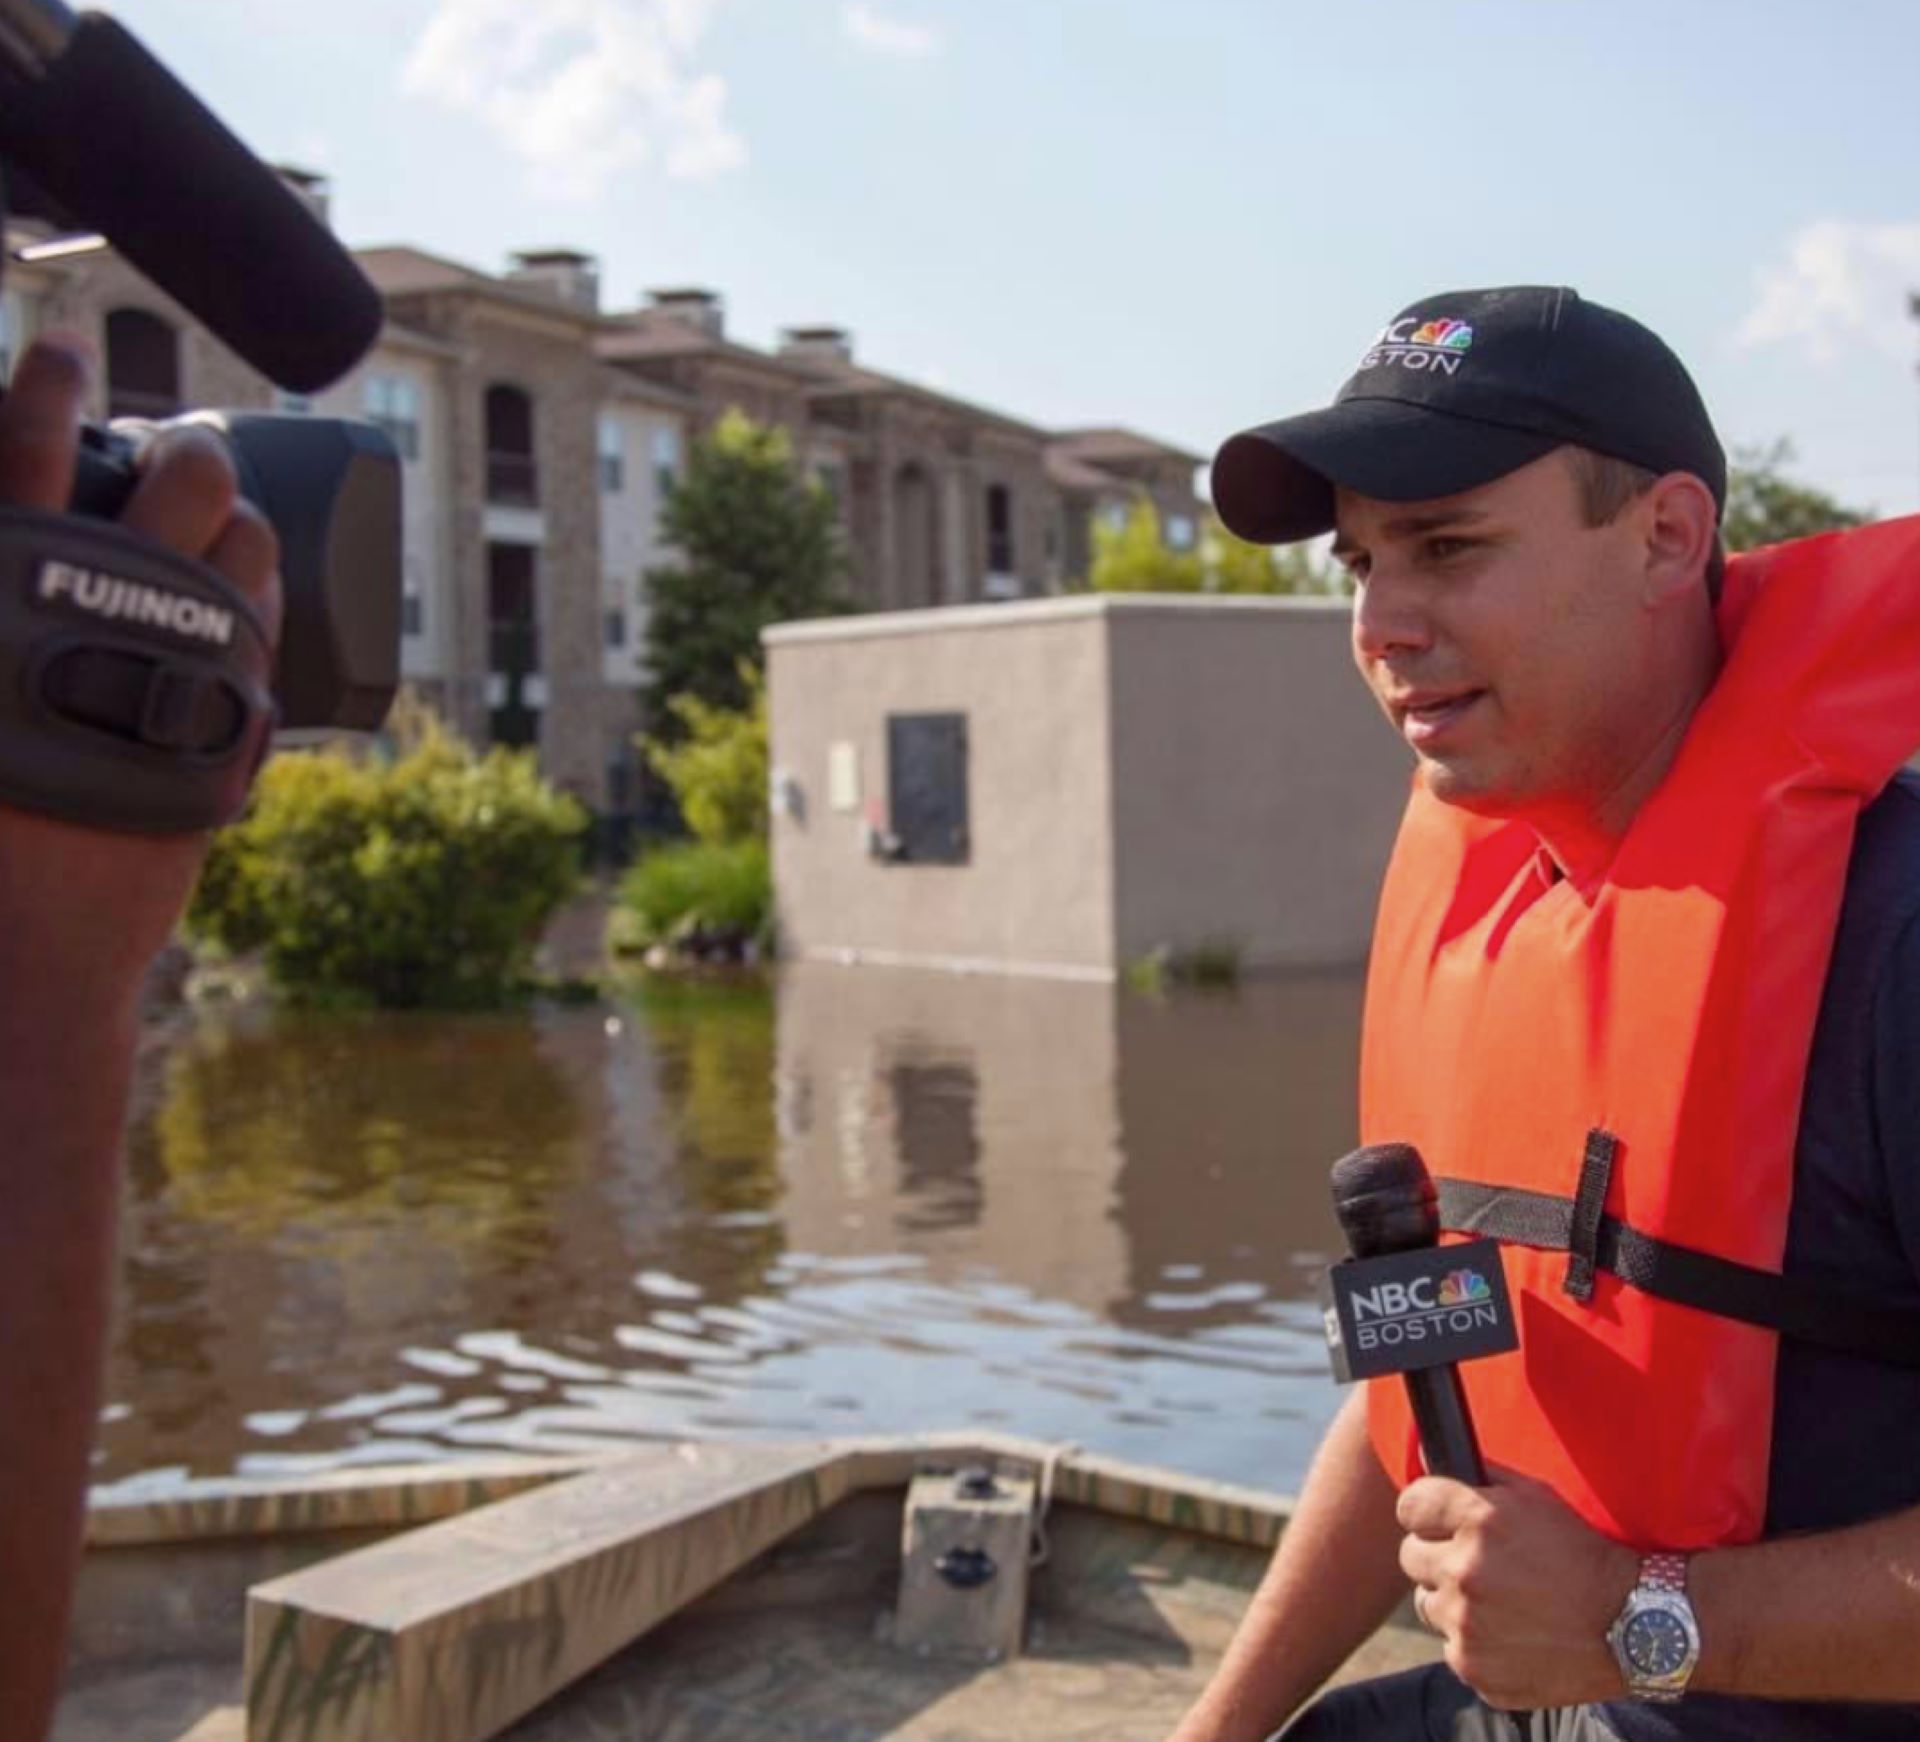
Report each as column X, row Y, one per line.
column 1645, row 991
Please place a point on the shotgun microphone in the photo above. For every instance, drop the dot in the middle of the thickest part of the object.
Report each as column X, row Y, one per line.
column 119, row 145
column 1407, row 1305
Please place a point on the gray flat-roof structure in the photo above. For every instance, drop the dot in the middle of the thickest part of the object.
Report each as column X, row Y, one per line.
column 1067, row 786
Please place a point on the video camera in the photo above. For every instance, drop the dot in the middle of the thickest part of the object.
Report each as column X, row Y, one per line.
column 128, row 698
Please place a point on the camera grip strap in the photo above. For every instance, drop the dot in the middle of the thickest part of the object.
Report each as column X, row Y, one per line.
column 132, row 679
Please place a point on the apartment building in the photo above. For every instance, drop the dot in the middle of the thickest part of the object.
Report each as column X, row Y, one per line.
column 540, row 435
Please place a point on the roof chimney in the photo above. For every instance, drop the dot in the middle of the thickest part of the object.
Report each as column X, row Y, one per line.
column 817, row 344
column 565, row 274
column 311, row 188
column 696, row 307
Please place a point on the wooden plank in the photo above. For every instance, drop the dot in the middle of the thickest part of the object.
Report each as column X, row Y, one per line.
column 395, row 1496
column 449, row 1633
column 1193, row 1503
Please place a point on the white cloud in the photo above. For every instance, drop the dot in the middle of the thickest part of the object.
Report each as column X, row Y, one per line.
column 1841, row 284
column 874, row 31
column 582, row 90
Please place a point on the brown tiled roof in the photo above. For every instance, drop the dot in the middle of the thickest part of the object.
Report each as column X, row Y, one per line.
column 1068, row 473
column 412, row 339
column 839, row 379
column 1113, row 443
column 404, row 271
column 648, row 334
column 625, row 384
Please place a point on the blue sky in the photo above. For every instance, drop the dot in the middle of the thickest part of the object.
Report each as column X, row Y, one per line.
column 1183, row 215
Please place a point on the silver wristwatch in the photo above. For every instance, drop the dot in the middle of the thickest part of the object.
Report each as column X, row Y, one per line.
column 1655, row 1638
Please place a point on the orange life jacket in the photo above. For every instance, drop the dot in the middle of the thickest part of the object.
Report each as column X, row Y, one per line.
column 1605, row 1073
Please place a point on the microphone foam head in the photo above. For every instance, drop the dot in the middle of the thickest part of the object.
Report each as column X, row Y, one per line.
column 1384, row 1198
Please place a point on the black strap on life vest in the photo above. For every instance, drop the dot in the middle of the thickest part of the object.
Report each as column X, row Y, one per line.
column 1594, row 1241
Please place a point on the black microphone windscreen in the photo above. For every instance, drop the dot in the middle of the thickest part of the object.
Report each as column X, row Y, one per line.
column 1384, row 1199
column 126, row 148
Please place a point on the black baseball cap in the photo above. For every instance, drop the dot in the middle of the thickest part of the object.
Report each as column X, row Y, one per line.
column 1460, row 389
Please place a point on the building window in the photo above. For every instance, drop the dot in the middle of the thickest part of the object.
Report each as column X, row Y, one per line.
column 512, row 481
column 999, row 530
column 927, row 788
column 666, row 461
column 613, row 456
column 513, row 645
column 393, row 404
column 1180, row 532
column 143, row 365
column 616, row 626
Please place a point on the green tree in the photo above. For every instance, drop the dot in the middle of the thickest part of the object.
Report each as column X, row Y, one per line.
column 1134, row 557
column 757, row 543
column 1766, row 507
column 718, row 769
column 1235, row 566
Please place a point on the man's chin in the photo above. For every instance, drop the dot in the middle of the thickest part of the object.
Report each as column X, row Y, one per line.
column 1466, row 788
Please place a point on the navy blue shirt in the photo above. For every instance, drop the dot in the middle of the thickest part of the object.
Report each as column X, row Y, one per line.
column 1846, row 1430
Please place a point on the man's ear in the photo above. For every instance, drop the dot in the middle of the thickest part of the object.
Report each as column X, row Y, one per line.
column 1681, row 526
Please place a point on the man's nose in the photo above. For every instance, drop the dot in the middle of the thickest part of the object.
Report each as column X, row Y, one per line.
column 1389, row 617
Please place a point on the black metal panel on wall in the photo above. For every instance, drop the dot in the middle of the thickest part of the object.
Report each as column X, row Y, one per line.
column 927, row 787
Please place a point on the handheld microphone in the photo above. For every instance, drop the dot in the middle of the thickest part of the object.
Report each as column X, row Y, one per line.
column 119, row 145
column 1405, row 1304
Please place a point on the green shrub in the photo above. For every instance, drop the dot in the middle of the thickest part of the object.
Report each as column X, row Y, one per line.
column 425, row 879
column 695, row 887
column 718, row 766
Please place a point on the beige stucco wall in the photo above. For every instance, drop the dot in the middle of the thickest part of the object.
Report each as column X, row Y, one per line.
column 1144, row 774
column 1037, row 894
column 1256, row 786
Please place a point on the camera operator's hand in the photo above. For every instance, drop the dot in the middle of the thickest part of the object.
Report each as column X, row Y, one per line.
column 82, row 912
column 90, row 901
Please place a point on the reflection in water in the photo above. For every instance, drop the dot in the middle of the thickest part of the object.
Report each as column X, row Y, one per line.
column 933, row 1127
column 456, row 1134
column 1232, row 1111
column 870, row 1200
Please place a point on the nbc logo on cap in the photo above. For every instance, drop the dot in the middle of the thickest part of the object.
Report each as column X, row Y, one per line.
column 1444, row 334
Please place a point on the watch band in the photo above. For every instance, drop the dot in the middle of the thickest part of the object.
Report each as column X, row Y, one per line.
column 1665, row 1572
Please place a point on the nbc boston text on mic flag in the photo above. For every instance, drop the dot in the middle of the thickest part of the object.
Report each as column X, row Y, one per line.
column 1423, row 1308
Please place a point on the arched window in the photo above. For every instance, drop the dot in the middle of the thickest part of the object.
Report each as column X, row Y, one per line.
column 143, row 365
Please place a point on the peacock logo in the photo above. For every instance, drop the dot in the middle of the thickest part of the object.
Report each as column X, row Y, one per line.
column 1444, row 334
column 1458, row 1287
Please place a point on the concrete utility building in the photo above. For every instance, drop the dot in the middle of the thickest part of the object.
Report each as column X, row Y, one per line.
column 1066, row 786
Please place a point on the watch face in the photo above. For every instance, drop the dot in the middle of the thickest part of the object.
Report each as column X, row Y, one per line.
column 1656, row 1643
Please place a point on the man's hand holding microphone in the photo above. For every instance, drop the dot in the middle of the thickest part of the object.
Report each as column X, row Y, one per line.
column 1517, row 1585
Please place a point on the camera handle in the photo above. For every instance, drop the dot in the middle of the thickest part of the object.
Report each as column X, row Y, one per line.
column 133, row 680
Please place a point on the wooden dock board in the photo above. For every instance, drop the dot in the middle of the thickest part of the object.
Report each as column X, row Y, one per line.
column 449, row 1633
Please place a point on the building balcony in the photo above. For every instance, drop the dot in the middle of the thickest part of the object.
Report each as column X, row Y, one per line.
column 512, row 480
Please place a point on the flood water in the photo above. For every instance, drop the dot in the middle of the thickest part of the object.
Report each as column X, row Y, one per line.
column 864, row 1200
